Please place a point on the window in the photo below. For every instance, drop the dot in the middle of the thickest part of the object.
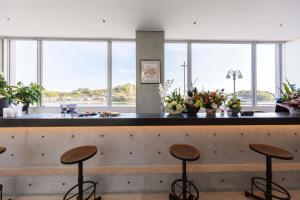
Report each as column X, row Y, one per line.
column 75, row 72
column 211, row 62
column 176, row 65
column 123, row 73
column 265, row 73
column 23, row 61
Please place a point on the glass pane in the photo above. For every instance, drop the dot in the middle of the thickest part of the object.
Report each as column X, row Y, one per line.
column 24, row 61
column 123, row 73
column 265, row 73
column 211, row 63
column 75, row 72
column 175, row 59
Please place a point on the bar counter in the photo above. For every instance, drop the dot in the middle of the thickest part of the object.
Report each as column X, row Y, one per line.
column 132, row 119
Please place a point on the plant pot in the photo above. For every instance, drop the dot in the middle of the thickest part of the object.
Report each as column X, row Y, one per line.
column 4, row 103
column 25, row 108
column 191, row 109
column 211, row 112
column 234, row 111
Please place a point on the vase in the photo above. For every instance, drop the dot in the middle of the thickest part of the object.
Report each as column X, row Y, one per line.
column 4, row 103
column 211, row 112
column 191, row 109
column 25, row 108
column 294, row 111
column 162, row 106
column 234, row 111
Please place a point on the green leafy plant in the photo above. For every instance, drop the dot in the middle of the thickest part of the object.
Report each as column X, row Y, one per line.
column 28, row 94
column 234, row 103
column 6, row 91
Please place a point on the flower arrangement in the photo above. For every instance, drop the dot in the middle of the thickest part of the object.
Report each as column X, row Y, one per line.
column 211, row 101
column 234, row 104
column 290, row 95
column 193, row 101
column 175, row 102
column 163, row 90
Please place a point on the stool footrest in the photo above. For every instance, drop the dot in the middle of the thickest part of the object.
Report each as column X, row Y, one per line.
column 192, row 192
column 259, row 184
column 89, row 184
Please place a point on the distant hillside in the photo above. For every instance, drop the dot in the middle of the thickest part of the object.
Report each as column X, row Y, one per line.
column 120, row 93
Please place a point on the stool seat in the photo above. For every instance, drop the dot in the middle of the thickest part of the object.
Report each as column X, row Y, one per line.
column 78, row 154
column 2, row 150
column 271, row 151
column 184, row 152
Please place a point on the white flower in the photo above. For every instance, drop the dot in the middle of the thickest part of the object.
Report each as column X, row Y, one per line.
column 2, row 75
column 214, row 106
column 173, row 103
column 169, row 106
column 178, row 107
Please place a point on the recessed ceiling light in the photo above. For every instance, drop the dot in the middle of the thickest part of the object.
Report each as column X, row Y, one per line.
column 103, row 21
column 195, row 22
column 6, row 18
column 282, row 25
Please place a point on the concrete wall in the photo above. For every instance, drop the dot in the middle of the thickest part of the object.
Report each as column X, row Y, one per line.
column 292, row 62
column 149, row 45
column 137, row 159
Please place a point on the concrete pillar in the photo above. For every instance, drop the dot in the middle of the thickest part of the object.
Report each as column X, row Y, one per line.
column 149, row 46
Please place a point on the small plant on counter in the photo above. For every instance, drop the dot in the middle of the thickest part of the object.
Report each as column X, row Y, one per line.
column 193, row 101
column 175, row 103
column 28, row 94
column 7, row 95
column 211, row 101
column 234, row 104
column 290, row 95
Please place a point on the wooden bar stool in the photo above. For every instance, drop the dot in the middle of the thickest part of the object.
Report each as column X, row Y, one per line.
column 183, row 189
column 77, row 156
column 266, row 185
column 2, row 150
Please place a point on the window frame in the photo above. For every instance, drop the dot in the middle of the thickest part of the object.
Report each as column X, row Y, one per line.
column 278, row 67
column 8, row 69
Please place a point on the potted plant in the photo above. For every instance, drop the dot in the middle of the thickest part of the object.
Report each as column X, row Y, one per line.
column 290, row 98
column 7, row 96
column 234, row 105
column 193, row 101
column 211, row 101
column 28, row 95
column 175, row 103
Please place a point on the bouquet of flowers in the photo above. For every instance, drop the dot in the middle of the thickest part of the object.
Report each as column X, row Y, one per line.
column 290, row 95
column 234, row 104
column 193, row 101
column 175, row 103
column 212, row 100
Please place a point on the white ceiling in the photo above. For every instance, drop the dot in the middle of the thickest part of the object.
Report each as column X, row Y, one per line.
column 216, row 19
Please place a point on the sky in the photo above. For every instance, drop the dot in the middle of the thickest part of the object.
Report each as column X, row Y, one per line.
column 69, row 65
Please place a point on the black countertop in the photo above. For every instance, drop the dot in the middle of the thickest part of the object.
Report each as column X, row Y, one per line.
column 132, row 119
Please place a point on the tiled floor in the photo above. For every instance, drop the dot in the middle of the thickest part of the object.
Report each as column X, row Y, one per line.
column 203, row 196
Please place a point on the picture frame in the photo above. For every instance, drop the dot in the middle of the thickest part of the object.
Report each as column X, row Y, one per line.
column 150, row 71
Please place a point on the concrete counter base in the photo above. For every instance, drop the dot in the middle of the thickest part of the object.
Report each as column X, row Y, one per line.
column 137, row 159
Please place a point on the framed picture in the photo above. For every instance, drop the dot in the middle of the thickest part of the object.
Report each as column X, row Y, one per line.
column 150, row 71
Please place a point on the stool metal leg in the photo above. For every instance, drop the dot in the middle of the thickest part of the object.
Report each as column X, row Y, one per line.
column 80, row 181
column 184, row 179
column 269, row 178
